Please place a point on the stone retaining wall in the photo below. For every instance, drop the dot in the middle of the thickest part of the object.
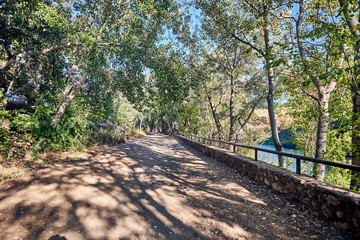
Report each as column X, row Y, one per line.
column 337, row 205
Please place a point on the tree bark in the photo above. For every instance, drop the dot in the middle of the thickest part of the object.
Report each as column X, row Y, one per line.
column 321, row 139
column 270, row 97
column 232, row 114
column 353, row 24
column 67, row 99
column 271, row 110
column 204, row 114
column 323, row 125
column 169, row 126
column 141, row 121
column 7, row 93
column 215, row 116
column 355, row 139
column 187, row 119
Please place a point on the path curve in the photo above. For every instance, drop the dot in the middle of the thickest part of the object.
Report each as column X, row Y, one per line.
column 151, row 187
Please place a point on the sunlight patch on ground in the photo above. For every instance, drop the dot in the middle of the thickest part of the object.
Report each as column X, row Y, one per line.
column 235, row 189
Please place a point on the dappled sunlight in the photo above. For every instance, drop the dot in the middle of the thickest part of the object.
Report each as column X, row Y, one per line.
column 236, row 189
column 91, row 221
column 148, row 205
column 134, row 191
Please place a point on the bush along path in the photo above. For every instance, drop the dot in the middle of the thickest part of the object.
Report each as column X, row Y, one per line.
column 151, row 187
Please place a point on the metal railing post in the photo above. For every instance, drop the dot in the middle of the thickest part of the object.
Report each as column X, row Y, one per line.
column 256, row 154
column 298, row 166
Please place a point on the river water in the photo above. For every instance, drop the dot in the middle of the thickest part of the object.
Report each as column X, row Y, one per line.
column 273, row 158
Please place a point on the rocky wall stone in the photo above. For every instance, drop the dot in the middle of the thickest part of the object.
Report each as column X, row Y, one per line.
column 337, row 205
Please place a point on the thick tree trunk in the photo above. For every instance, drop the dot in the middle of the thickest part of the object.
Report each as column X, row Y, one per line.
column 232, row 114
column 355, row 160
column 321, row 140
column 67, row 99
column 353, row 24
column 270, row 97
column 216, row 117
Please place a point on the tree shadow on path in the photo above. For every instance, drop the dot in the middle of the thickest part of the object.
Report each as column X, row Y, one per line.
column 152, row 187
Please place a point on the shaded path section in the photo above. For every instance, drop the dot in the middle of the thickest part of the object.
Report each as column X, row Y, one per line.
column 150, row 188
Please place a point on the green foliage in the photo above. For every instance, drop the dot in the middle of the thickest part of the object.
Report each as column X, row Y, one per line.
column 15, row 139
column 22, row 132
column 289, row 162
column 339, row 177
column 71, row 59
column 125, row 114
column 109, row 133
column 5, row 118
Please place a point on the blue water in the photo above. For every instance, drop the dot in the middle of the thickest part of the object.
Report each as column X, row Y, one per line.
column 273, row 158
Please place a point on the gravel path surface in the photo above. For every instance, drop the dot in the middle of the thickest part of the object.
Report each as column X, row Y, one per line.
column 152, row 187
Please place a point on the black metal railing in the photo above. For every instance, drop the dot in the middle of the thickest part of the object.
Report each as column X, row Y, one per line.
column 297, row 157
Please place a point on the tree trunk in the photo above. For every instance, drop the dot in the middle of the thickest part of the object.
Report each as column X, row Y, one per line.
column 232, row 114
column 215, row 116
column 141, row 121
column 7, row 93
column 204, row 115
column 187, row 119
column 353, row 24
column 355, row 159
column 67, row 99
column 169, row 126
column 274, row 131
column 270, row 97
column 321, row 136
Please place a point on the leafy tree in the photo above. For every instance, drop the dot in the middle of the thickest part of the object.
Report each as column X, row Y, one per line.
column 108, row 30
column 317, row 58
column 250, row 23
column 28, row 35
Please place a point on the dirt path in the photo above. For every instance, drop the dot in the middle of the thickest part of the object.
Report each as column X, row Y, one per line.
column 150, row 188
